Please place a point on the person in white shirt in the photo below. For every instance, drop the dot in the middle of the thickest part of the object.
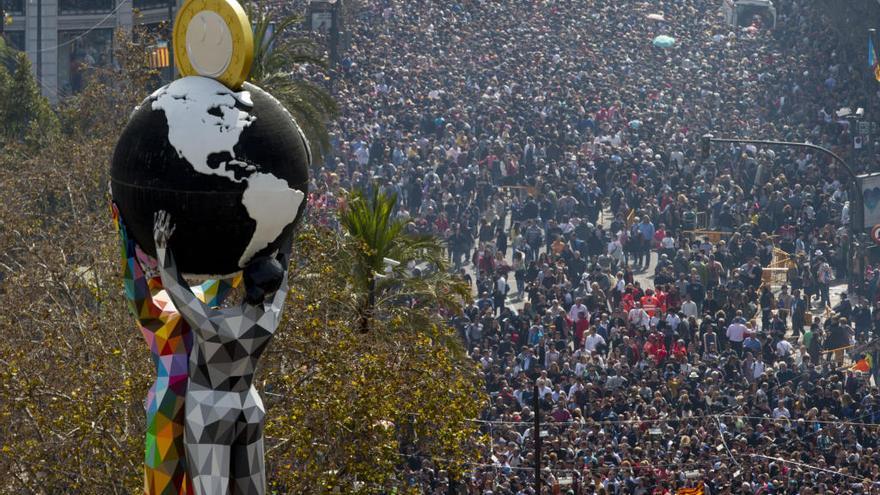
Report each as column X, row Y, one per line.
column 824, row 276
column 556, row 309
column 758, row 367
column 593, row 341
column 781, row 411
column 783, row 348
column 615, row 250
column 362, row 156
column 672, row 320
column 614, row 380
column 800, row 355
column 581, row 367
column 501, row 284
column 689, row 308
column 551, row 355
column 638, row 317
column 667, row 245
column 736, row 333
column 577, row 308
column 544, row 385
column 577, row 387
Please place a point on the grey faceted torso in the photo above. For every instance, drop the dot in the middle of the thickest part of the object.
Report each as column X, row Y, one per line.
column 226, row 359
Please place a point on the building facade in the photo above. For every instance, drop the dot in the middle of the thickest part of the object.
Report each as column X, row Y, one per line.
column 63, row 38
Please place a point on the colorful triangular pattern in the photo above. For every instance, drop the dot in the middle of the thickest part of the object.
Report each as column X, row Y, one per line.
column 169, row 339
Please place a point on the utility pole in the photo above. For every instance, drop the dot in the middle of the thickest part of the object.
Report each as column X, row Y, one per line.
column 40, row 40
column 537, row 406
column 334, row 33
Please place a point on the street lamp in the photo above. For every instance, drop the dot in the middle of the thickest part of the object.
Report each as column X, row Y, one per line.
column 856, row 210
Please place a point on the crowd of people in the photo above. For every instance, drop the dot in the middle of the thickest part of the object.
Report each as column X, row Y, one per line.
column 675, row 311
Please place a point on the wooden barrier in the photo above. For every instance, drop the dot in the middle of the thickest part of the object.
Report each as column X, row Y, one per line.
column 713, row 235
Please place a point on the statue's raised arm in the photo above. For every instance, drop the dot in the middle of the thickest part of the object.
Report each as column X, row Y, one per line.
column 277, row 305
column 191, row 307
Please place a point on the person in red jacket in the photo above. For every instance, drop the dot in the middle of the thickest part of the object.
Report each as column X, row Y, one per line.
column 680, row 351
column 650, row 303
column 673, row 299
column 580, row 329
column 655, row 348
column 661, row 299
column 628, row 300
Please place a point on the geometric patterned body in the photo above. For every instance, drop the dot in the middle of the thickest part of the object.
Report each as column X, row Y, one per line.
column 169, row 338
column 224, row 412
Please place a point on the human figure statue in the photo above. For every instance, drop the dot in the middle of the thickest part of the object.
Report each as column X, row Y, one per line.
column 224, row 412
column 168, row 336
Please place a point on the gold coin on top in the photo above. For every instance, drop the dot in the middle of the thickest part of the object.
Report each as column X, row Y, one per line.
column 213, row 38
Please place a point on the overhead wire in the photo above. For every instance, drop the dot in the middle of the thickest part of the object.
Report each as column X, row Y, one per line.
column 813, row 468
column 87, row 31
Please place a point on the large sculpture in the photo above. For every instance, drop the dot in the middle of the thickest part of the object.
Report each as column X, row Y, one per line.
column 224, row 412
column 168, row 337
column 220, row 162
column 229, row 164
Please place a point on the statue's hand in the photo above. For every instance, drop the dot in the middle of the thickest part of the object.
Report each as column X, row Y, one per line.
column 162, row 229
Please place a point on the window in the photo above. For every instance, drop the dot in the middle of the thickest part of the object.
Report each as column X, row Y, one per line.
column 15, row 39
column 14, row 6
column 85, row 6
column 152, row 4
column 78, row 53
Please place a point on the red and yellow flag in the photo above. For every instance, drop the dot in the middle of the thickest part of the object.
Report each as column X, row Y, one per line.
column 864, row 365
column 697, row 490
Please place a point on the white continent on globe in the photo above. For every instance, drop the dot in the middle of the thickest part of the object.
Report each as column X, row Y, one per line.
column 196, row 134
column 270, row 199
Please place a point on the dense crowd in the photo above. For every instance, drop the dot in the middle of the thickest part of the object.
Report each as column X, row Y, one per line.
column 555, row 150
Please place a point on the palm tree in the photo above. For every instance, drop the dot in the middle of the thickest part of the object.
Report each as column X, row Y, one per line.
column 379, row 245
column 277, row 55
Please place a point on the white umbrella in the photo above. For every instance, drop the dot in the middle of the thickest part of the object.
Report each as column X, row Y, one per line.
column 664, row 41
column 656, row 17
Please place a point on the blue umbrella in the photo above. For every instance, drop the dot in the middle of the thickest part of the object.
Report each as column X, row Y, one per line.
column 664, row 41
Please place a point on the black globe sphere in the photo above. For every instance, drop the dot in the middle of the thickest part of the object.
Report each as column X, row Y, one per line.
column 231, row 169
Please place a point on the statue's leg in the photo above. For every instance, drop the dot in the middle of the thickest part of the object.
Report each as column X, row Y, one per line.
column 249, row 472
column 164, row 456
column 209, row 468
column 210, row 432
column 248, row 469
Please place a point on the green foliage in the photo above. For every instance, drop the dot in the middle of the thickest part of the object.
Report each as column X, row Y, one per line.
column 7, row 55
column 342, row 405
column 25, row 115
column 369, row 221
column 373, row 237
column 277, row 56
